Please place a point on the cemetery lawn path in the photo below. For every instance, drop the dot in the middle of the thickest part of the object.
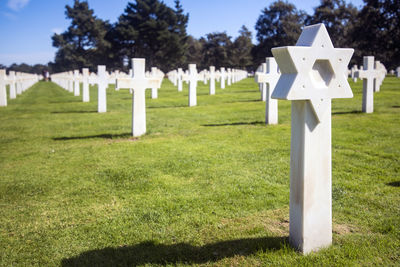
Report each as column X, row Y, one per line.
column 207, row 185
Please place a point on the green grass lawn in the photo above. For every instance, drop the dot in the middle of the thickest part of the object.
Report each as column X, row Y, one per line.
column 207, row 185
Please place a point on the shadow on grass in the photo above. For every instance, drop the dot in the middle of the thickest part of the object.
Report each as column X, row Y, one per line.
column 395, row 106
column 245, row 101
column 347, row 112
column 394, row 184
column 181, row 106
column 66, row 101
column 151, row 253
column 104, row 136
column 235, row 124
column 74, row 111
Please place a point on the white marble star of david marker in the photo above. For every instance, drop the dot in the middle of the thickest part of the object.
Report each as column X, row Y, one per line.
column 313, row 70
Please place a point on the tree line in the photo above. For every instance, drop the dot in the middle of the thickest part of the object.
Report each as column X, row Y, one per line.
column 157, row 32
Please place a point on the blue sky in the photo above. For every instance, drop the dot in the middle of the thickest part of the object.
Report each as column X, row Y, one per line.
column 26, row 26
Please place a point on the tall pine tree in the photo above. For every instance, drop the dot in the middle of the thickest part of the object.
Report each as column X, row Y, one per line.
column 152, row 30
column 83, row 44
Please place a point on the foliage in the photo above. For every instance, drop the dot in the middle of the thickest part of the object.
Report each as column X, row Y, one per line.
column 279, row 24
column 217, row 50
column 152, row 30
column 83, row 44
column 241, row 50
column 339, row 19
column 377, row 31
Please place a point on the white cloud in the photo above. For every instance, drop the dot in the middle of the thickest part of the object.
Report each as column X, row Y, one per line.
column 17, row 5
column 9, row 15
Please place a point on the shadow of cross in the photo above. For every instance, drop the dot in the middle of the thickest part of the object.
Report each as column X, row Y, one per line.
column 139, row 83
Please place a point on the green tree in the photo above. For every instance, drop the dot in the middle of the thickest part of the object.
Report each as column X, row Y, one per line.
column 152, row 30
column 241, row 49
column 279, row 24
column 217, row 50
column 339, row 19
column 377, row 32
column 83, row 44
column 194, row 52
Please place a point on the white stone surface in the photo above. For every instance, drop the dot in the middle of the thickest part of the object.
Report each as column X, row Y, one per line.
column 223, row 77
column 312, row 73
column 154, row 89
column 229, row 80
column 3, row 91
column 139, row 83
column 368, row 74
column 192, row 85
column 102, row 85
column 381, row 69
column 13, row 91
column 268, row 78
column 212, row 80
column 85, row 85
column 76, row 83
column 180, row 74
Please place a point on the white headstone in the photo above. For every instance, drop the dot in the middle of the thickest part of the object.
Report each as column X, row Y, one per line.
column 102, row 85
column 85, row 85
column 13, row 91
column 263, row 84
column 3, row 90
column 180, row 74
column 154, row 89
column 368, row 74
column 139, row 83
column 223, row 77
column 270, row 77
column 192, row 85
column 212, row 80
column 76, row 83
column 313, row 72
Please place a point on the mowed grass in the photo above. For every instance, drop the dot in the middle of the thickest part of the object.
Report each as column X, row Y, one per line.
column 207, row 185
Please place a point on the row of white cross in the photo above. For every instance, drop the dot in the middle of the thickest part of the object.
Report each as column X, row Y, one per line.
column 310, row 74
column 191, row 76
column 71, row 81
column 18, row 83
column 372, row 72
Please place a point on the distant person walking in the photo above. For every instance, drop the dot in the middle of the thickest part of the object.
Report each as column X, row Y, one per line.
column 45, row 75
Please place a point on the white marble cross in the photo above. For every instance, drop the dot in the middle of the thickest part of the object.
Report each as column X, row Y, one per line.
column 229, row 77
column 180, row 76
column 139, row 83
column 3, row 90
column 354, row 70
column 102, row 84
column 13, row 91
column 262, row 85
column 193, row 77
column 76, row 83
column 312, row 73
column 85, row 85
column 212, row 80
column 381, row 75
column 223, row 77
column 158, row 75
column 368, row 74
column 268, row 79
